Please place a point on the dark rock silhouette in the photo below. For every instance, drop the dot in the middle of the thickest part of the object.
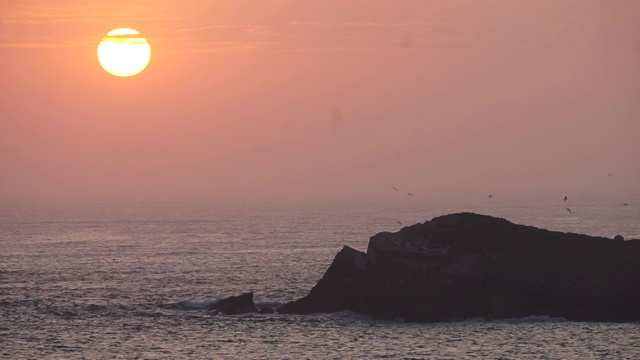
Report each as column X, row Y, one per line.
column 343, row 286
column 234, row 305
column 467, row 265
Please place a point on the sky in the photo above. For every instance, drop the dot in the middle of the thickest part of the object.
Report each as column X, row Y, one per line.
column 322, row 99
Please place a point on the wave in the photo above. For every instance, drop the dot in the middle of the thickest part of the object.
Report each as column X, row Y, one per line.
column 196, row 305
column 269, row 304
column 349, row 315
column 516, row 320
column 535, row 319
column 204, row 304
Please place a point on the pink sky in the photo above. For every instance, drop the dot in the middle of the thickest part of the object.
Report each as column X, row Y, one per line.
column 322, row 99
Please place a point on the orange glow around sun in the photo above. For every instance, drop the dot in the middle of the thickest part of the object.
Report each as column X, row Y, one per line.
column 122, row 53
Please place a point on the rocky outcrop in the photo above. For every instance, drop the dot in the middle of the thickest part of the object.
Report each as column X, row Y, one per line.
column 468, row 265
column 344, row 286
column 235, row 305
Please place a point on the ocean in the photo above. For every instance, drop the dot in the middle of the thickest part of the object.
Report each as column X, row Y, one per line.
column 91, row 282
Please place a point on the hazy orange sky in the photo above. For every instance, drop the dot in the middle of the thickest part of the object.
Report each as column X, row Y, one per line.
column 306, row 99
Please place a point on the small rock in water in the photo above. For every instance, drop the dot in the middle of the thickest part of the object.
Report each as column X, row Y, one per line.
column 235, row 305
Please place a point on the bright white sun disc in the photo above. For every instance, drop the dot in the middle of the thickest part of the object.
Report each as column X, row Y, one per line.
column 123, row 52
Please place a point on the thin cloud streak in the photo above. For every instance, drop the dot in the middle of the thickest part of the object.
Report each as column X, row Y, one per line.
column 369, row 24
column 272, row 38
column 294, row 36
column 42, row 14
column 217, row 27
column 224, row 46
column 43, row 42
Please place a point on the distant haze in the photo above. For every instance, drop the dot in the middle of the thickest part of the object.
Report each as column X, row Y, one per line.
column 311, row 100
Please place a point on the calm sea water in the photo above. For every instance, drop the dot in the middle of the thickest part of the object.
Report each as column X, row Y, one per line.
column 95, row 282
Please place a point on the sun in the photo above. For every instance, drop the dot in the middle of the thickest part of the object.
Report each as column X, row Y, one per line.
column 123, row 52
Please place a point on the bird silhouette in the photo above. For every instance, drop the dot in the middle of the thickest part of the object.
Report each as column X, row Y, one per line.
column 610, row 174
column 569, row 210
column 625, row 204
column 490, row 196
column 566, row 198
column 395, row 188
column 410, row 194
column 398, row 221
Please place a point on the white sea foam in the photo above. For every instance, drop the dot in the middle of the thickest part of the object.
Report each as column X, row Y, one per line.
column 269, row 304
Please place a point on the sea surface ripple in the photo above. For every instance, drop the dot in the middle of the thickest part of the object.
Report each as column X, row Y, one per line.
column 101, row 282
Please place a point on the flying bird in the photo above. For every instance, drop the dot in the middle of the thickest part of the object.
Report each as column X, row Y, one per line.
column 490, row 196
column 625, row 204
column 569, row 210
column 398, row 221
column 410, row 194
column 395, row 188
column 566, row 198
column 610, row 174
